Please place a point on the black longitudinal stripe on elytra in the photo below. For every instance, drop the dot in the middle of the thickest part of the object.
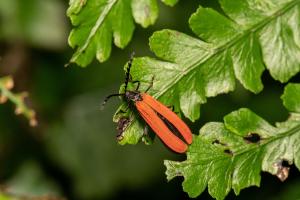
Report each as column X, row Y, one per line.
column 170, row 126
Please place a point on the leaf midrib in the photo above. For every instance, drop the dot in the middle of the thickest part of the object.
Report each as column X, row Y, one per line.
column 229, row 44
column 108, row 7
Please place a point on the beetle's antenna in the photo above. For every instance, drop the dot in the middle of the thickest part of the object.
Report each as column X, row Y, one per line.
column 108, row 97
column 127, row 77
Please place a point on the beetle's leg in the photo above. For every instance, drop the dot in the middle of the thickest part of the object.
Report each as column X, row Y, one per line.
column 151, row 85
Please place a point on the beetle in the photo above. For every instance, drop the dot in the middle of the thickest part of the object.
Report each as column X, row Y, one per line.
column 161, row 119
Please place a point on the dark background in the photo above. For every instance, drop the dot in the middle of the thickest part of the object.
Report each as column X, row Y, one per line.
column 73, row 152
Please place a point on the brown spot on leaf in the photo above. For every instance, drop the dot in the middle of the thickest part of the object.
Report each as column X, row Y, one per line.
column 252, row 138
column 228, row 151
column 218, row 142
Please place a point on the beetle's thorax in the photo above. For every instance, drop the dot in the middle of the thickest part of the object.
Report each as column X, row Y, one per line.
column 133, row 96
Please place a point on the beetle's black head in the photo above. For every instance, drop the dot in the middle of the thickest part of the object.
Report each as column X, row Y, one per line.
column 133, row 96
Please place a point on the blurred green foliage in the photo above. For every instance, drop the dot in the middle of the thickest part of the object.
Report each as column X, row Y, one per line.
column 73, row 152
column 38, row 23
column 30, row 180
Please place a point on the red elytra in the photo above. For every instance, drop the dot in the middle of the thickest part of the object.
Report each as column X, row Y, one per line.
column 152, row 111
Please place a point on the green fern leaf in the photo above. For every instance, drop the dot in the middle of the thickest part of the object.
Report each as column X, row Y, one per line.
column 253, row 36
column 98, row 22
column 233, row 154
